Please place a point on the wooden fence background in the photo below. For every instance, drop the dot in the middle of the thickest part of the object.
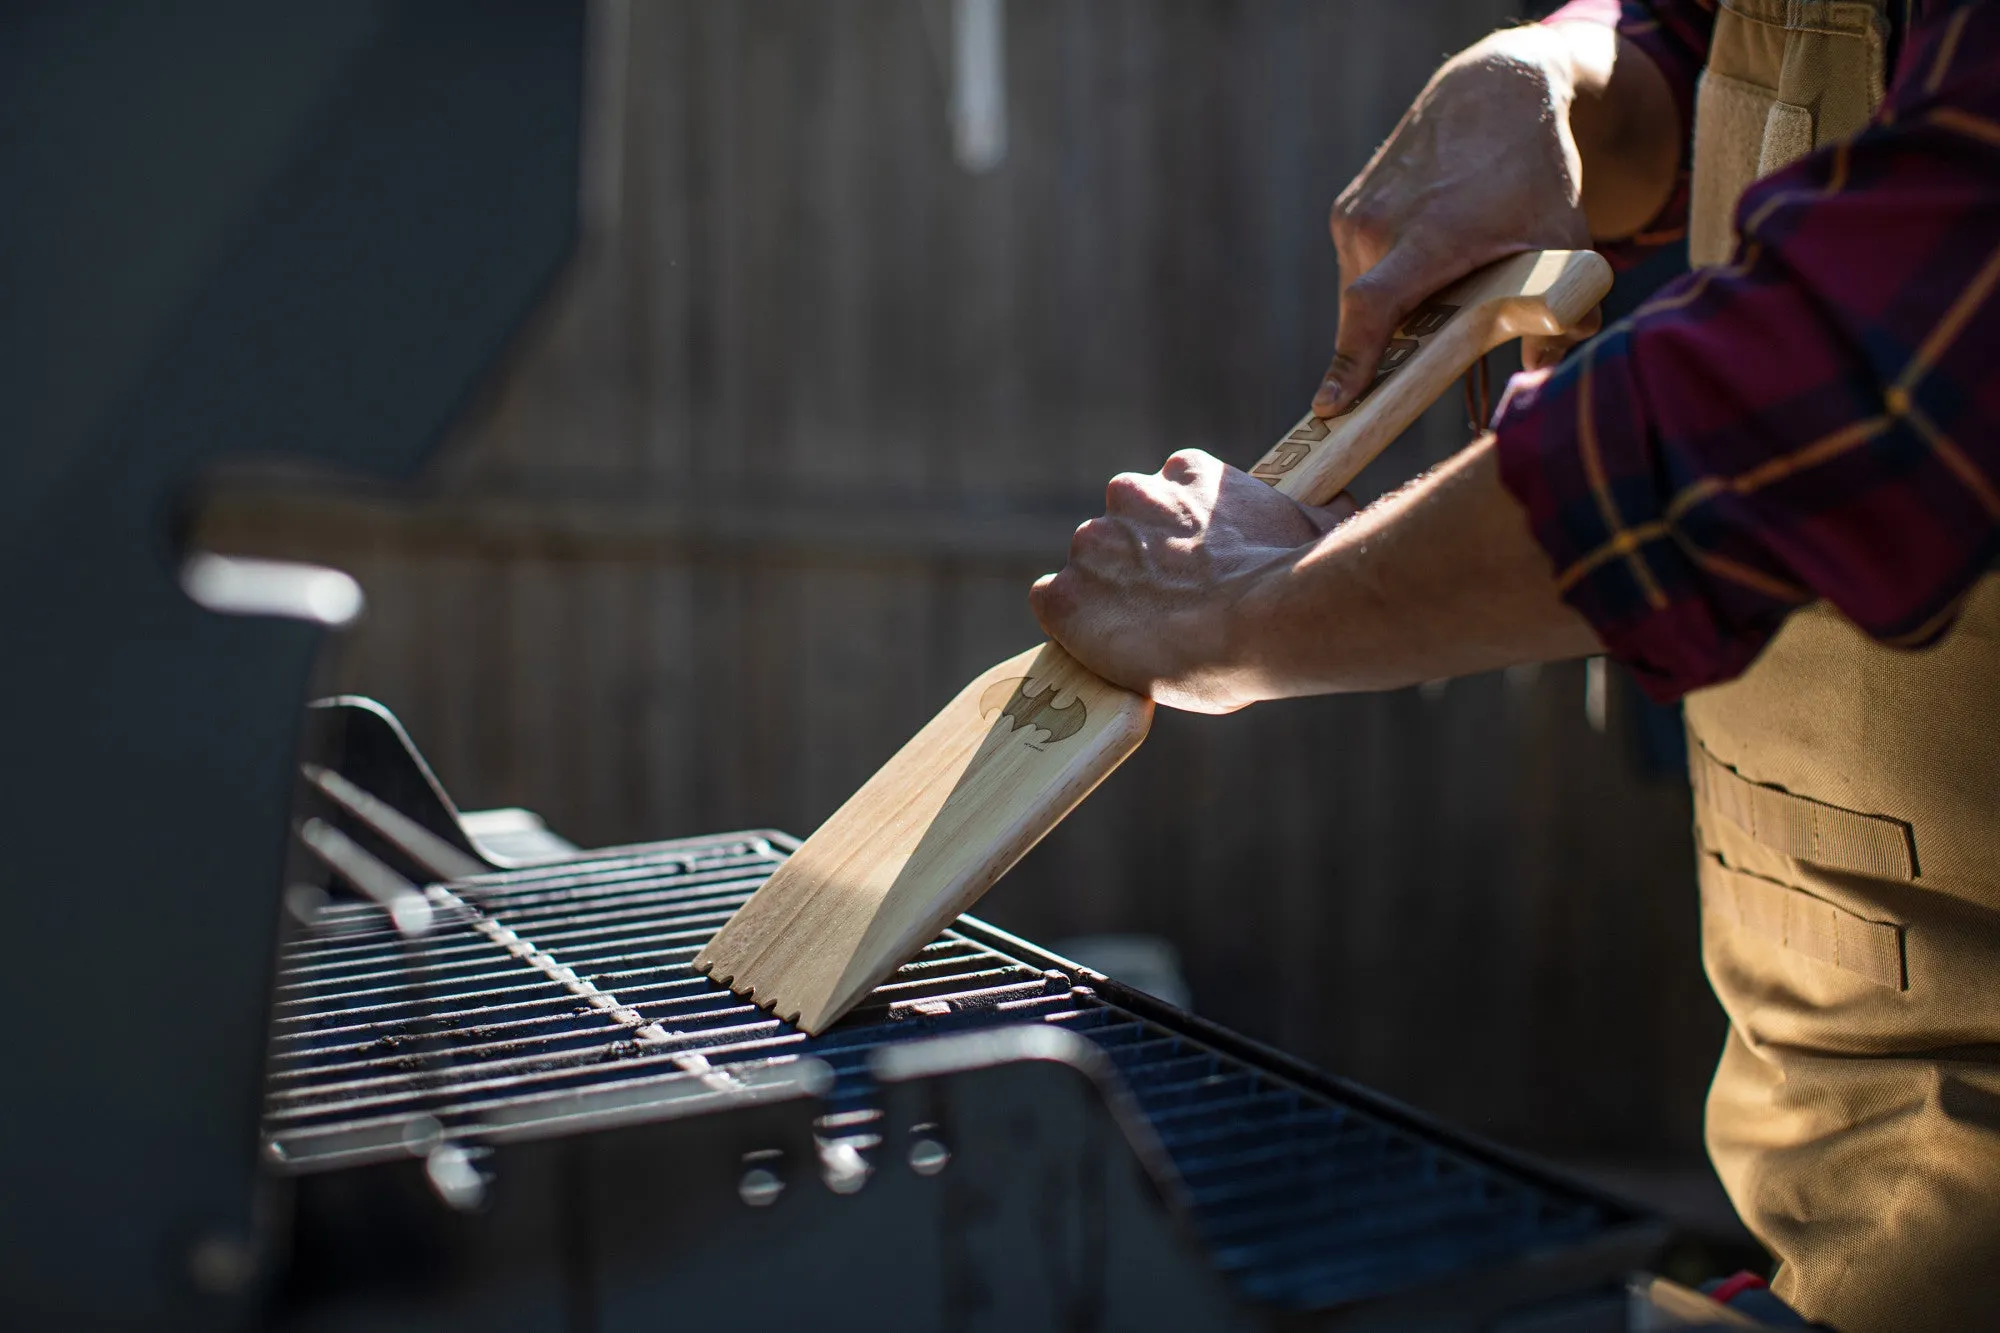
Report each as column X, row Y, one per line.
column 768, row 480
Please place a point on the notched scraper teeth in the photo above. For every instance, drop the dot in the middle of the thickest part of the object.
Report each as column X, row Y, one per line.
column 774, row 1005
column 719, row 971
column 713, row 969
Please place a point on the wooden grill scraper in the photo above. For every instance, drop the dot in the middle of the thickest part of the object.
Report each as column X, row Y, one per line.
column 1023, row 744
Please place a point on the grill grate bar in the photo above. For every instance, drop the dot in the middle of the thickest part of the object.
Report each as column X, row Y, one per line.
column 518, row 889
column 298, row 1045
column 716, row 1044
column 644, row 907
column 332, row 999
column 467, row 1096
column 381, row 957
column 391, row 980
column 607, row 1004
column 467, row 1029
column 297, row 1140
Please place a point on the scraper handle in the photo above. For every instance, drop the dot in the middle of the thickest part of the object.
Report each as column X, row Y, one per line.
column 1542, row 291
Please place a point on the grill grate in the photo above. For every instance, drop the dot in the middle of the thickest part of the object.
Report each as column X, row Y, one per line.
column 579, row 975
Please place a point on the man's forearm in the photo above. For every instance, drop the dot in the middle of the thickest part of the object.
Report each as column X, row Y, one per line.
column 1441, row 579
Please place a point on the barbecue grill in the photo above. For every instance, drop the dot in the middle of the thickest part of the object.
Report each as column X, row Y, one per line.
column 522, row 1096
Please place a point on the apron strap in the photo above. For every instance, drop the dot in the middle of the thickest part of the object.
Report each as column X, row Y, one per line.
column 1825, row 835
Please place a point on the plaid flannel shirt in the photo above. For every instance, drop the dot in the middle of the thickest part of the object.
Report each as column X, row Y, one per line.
column 1819, row 418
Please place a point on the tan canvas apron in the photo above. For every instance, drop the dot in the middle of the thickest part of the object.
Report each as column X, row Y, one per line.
column 1846, row 797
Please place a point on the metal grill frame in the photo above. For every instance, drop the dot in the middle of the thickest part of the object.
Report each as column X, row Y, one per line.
column 1110, row 1141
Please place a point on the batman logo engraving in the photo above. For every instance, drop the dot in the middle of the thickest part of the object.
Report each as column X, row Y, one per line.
column 1289, row 452
column 1287, row 455
column 1427, row 320
column 1036, row 712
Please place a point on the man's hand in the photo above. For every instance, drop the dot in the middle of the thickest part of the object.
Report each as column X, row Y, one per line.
column 1207, row 590
column 1493, row 159
column 1152, row 593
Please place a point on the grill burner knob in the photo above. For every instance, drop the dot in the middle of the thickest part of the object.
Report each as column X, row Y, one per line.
column 761, row 1184
column 843, row 1166
column 928, row 1157
column 760, row 1187
column 457, row 1181
column 422, row 1135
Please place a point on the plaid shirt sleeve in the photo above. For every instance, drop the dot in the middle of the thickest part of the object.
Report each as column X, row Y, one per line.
column 1674, row 36
column 1817, row 419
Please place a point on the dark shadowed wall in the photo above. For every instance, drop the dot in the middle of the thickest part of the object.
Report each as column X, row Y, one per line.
column 770, row 478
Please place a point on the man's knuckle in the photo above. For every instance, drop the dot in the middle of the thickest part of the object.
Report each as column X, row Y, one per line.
column 1356, row 203
column 1124, row 489
column 1377, row 291
column 1362, row 223
column 1092, row 539
column 1054, row 600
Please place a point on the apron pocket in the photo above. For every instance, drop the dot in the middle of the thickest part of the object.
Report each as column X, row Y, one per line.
column 1797, row 826
column 1803, row 923
column 1729, row 124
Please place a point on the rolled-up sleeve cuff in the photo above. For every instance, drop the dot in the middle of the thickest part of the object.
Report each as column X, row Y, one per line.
column 1677, row 42
column 1677, row 46
column 1586, row 483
